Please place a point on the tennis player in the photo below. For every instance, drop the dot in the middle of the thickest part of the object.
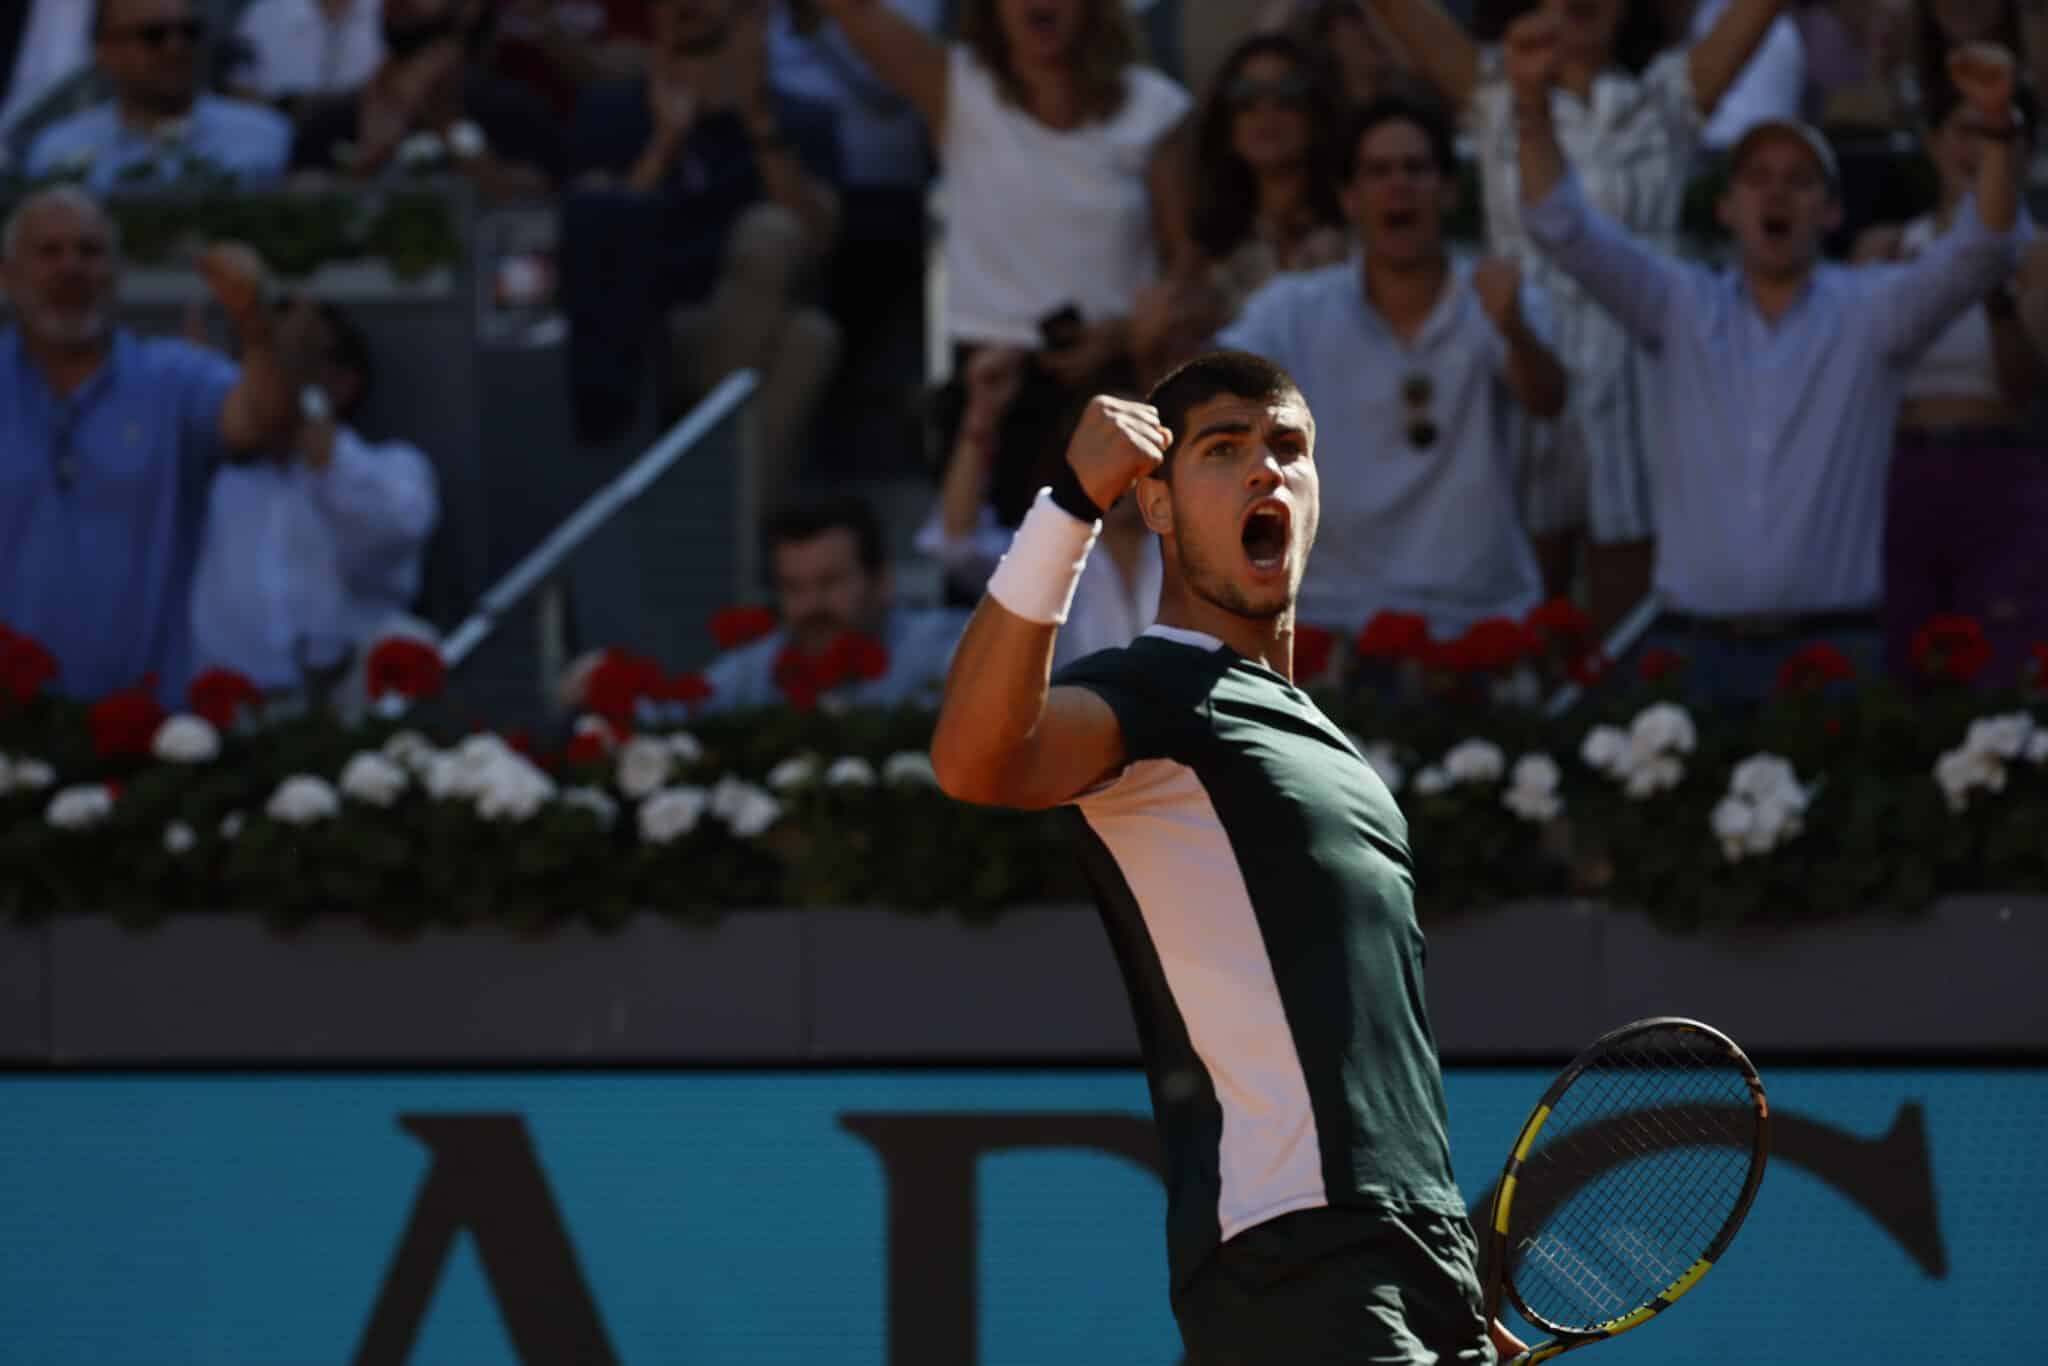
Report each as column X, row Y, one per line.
column 1254, row 874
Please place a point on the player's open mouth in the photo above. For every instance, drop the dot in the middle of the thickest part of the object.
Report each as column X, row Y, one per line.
column 1400, row 220
column 1265, row 536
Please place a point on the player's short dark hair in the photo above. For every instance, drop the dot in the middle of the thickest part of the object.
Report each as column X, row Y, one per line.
column 806, row 518
column 1443, row 147
column 1238, row 374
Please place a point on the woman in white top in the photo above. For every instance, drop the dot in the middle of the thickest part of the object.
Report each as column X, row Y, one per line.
column 1046, row 125
column 1630, row 139
column 1969, row 480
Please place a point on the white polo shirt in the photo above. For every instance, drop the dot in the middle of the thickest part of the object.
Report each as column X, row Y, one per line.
column 1435, row 532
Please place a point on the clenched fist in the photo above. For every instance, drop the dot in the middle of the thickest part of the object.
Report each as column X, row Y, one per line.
column 1983, row 75
column 1117, row 443
column 1498, row 283
column 235, row 275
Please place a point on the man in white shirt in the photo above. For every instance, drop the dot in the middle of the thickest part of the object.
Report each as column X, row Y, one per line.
column 1420, row 370
column 301, row 49
column 307, row 561
column 51, row 43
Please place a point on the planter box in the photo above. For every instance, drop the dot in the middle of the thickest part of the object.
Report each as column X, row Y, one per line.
column 1529, row 981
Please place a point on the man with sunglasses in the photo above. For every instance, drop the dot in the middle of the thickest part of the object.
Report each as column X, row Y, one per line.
column 1421, row 370
column 160, row 126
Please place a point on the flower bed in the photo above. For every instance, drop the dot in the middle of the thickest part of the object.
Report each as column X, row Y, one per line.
column 1818, row 805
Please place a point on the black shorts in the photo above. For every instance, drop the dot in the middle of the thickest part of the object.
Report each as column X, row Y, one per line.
column 1339, row 1287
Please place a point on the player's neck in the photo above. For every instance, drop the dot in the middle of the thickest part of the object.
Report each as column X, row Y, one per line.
column 1266, row 641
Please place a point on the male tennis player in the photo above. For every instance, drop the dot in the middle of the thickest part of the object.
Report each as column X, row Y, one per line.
column 1254, row 875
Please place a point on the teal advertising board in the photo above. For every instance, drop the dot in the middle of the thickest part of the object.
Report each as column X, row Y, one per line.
column 873, row 1219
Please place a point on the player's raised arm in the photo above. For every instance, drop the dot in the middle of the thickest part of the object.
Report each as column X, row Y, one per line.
column 1005, row 736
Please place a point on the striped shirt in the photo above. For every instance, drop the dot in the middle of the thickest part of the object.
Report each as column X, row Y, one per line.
column 1254, row 875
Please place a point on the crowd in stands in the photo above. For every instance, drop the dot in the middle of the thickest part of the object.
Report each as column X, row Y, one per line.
column 1826, row 423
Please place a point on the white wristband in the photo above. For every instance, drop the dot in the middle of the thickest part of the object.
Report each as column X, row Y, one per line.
column 1037, row 575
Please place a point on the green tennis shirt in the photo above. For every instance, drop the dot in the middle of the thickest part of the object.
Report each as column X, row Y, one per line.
column 1253, row 872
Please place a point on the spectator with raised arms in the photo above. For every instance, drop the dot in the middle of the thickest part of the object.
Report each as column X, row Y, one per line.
column 1777, row 383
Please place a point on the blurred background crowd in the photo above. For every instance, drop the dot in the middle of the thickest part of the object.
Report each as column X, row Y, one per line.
column 934, row 228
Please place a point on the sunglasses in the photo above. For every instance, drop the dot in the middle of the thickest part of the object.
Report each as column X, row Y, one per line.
column 1416, row 392
column 1289, row 92
column 161, row 33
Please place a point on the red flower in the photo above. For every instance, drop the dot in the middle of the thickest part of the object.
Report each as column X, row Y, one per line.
column 735, row 626
column 1394, row 635
column 797, row 674
column 1951, row 647
column 1313, row 647
column 617, row 684
column 217, row 694
column 856, row 656
column 1588, row 668
column 1813, row 668
column 125, row 722
column 589, row 747
column 2037, row 665
column 1492, row 646
column 690, row 689
column 1659, row 662
column 25, row 666
column 405, row 666
column 1558, row 619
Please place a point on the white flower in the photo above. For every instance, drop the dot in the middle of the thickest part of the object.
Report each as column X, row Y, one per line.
column 911, row 767
column 33, row 775
column 179, row 838
column 302, row 800
column 852, row 771
column 687, row 748
column 1475, row 761
column 466, row 140
column 1536, row 773
column 645, row 762
column 1533, row 805
column 465, row 772
column 2005, row 736
column 1648, row 777
column 598, row 726
column 1962, row 771
column 79, row 808
column 1431, row 781
column 1777, row 820
column 800, row 771
column 1663, row 728
column 422, row 149
column 513, row 788
column 596, row 801
column 231, row 825
column 2037, row 747
column 671, row 813
column 371, row 778
column 186, row 740
column 1604, row 748
column 1734, row 820
column 1766, row 775
column 746, row 809
column 1385, row 761
column 409, row 748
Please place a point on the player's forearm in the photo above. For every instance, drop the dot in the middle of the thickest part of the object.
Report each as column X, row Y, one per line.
column 994, row 705
column 1542, row 160
column 1998, row 183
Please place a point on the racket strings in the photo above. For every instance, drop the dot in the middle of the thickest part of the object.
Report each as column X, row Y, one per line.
column 1637, row 1170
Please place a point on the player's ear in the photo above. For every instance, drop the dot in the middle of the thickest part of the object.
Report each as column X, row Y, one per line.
column 1155, row 504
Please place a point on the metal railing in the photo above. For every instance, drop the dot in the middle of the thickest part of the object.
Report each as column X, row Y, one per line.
column 542, row 566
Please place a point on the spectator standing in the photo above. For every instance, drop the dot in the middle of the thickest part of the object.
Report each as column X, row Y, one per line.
column 43, row 44
column 1047, row 125
column 299, row 50
column 1776, row 384
column 432, row 95
column 839, row 632
column 1631, row 137
column 1969, row 481
column 160, row 126
column 313, row 557
column 560, row 48
column 1421, row 370
column 1943, row 26
column 108, row 442
column 1262, row 189
column 707, row 197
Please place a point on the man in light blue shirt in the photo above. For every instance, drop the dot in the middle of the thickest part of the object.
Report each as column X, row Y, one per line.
column 316, row 556
column 108, row 442
column 832, row 588
column 1776, row 384
column 1421, row 372
column 160, row 126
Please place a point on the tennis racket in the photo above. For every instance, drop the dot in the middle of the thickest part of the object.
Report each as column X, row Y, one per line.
column 1627, row 1184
